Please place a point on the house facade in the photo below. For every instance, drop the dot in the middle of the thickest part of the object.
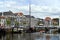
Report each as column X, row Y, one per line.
column 9, row 19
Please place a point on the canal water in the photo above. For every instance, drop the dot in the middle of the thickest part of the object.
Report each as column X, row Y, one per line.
column 30, row 36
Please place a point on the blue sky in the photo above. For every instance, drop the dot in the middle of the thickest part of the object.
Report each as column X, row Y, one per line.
column 39, row 8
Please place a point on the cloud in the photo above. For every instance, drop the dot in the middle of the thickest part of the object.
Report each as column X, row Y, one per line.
column 1, row 2
column 39, row 8
column 46, row 2
column 43, row 11
column 47, row 9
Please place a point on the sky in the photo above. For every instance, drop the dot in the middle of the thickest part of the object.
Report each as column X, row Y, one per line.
column 39, row 8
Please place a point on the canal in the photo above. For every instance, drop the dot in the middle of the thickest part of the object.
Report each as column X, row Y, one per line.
column 30, row 36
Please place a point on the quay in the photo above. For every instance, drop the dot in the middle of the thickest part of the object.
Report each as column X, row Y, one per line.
column 30, row 30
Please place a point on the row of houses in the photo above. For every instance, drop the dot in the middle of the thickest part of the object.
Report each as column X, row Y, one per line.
column 9, row 19
column 49, row 22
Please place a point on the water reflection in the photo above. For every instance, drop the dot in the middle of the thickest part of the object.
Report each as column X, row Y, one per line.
column 47, row 37
column 29, row 36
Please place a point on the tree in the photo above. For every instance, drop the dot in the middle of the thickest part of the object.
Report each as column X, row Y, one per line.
column 8, row 22
column 16, row 23
column 55, row 21
column 38, row 23
column 24, row 23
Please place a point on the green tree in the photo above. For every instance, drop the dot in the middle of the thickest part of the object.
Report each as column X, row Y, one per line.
column 38, row 23
column 16, row 23
column 24, row 23
column 8, row 22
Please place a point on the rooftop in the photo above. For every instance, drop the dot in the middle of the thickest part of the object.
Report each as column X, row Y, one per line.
column 6, row 13
column 28, row 16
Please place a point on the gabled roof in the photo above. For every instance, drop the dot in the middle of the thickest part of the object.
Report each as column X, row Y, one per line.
column 19, row 14
column 7, row 13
